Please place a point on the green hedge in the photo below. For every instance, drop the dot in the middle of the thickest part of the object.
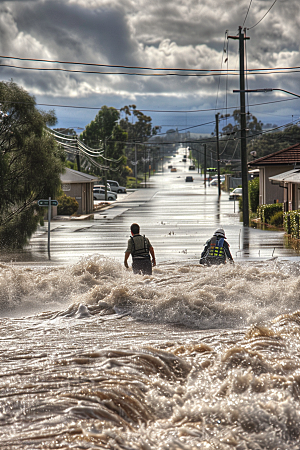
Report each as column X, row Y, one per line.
column 265, row 212
column 253, row 189
column 291, row 221
column 67, row 205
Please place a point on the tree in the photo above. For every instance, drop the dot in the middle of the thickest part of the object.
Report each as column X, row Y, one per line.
column 30, row 164
column 274, row 141
column 139, row 129
column 105, row 132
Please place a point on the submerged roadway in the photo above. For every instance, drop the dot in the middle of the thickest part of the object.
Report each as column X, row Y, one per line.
column 177, row 216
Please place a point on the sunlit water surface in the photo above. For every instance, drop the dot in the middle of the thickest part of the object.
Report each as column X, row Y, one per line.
column 93, row 357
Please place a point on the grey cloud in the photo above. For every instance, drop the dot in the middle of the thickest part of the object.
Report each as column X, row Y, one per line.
column 170, row 33
column 70, row 29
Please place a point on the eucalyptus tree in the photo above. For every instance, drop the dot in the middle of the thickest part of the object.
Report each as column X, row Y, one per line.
column 105, row 132
column 30, row 164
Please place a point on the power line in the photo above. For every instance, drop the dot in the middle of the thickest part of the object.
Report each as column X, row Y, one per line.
column 148, row 110
column 263, row 16
column 103, row 65
column 58, row 69
column 247, row 13
column 141, row 67
column 200, row 73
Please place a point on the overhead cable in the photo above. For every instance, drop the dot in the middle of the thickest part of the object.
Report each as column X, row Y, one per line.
column 208, row 73
column 263, row 16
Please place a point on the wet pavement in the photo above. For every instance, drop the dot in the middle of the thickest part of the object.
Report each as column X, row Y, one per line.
column 177, row 216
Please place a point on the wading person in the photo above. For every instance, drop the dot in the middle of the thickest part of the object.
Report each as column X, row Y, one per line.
column 140, row 249
column 216, row 250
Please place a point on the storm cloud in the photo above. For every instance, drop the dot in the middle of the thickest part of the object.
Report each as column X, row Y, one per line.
column 169, row 34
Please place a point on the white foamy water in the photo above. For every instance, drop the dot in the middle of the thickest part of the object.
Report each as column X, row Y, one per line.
column 192, row 357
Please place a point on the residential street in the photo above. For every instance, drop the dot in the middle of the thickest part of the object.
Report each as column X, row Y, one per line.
column 177, row 216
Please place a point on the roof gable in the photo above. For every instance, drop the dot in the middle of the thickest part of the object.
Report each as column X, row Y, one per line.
column 288, row 156
column 73, row 176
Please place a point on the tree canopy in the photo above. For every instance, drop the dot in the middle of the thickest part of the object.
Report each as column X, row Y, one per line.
column 30, row 164
column 105, row 132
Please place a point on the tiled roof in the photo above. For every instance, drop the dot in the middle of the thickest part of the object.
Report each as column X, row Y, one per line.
column 288, row 156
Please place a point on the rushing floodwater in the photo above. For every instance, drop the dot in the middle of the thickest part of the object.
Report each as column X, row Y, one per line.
column 93, row 357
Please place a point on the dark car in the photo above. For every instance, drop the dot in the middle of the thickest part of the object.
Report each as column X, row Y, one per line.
column 188, row 178
column 191, row 167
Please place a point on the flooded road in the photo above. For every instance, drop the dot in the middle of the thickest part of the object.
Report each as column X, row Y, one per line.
column 177, row 216
column 192, row 357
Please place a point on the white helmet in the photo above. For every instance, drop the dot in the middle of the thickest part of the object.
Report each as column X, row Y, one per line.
column 220, row 232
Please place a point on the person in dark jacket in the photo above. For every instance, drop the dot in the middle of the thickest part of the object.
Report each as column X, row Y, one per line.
column 216, row 250
column 141, row 250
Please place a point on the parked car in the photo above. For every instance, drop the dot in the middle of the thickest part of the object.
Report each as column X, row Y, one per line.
column 99, row 194
column 192, row 167
column 189, row 178
column 214, row 181
column 101, row 186
column 115, row 187
column 236, row 194
column 173, row 169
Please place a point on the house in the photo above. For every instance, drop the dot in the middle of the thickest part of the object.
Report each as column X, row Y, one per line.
column 270, row 166
column 290, row 182
column 80, row 186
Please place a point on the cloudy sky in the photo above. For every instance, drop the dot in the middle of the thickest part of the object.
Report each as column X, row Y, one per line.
column 153, row 34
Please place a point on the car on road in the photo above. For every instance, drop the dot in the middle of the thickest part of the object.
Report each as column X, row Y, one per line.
column 115, row 187
column 236, row 194
column 170, row 166
column 173, row 169
column 99, row 194
column 189, row 178
column 214, row 181
column 192, row 167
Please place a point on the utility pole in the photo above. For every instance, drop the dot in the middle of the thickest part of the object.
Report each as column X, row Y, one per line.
column 241, row 37
column 105, row 173
column 218, row 154
column 135, row 167
column 205, row 164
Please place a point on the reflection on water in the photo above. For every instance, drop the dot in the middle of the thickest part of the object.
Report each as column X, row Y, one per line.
column 190, row 358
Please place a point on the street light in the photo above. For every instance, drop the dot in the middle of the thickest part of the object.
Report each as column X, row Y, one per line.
column 268, row 90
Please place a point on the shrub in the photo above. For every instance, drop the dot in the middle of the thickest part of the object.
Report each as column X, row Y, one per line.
column 277, row 219
column 67, row 205
column 253, row 187
column 265, row 212
column 291, row 223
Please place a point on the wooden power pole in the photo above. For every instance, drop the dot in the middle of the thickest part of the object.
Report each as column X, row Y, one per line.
column 241, row 37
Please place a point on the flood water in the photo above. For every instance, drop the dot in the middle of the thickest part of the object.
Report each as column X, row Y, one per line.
column 192, row 357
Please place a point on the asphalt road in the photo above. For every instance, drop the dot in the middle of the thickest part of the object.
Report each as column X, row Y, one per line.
column 177, row 216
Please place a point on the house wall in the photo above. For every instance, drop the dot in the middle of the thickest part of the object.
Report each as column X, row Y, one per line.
column 83, row 194
column 268, row 192
column 293, row 196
